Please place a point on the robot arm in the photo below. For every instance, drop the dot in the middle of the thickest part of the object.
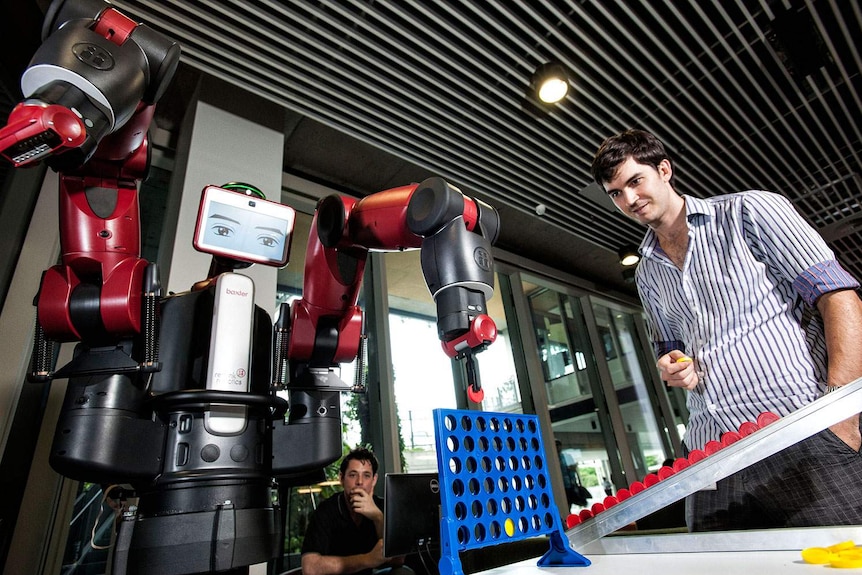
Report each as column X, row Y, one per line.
column 90, row 93
column 94, row 71
column 454, row 232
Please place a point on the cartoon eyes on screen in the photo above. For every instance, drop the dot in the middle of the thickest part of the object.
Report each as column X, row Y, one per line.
column 239, row 226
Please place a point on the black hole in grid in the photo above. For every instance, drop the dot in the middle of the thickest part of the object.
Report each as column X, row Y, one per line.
column 489, row 485
column 519, row 504
column 452, row 443
column 477, row 508
column 483, row 443
column 469, row 443
column 486, row 464
column 479, row 532
column 449, row 422
column 457, row 488
column 503, row 484
column 460, row 511
column 454, row 465
column 466, row 423
column 471, row 465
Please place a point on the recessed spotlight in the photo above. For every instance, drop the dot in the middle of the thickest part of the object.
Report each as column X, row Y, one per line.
column 550, row 83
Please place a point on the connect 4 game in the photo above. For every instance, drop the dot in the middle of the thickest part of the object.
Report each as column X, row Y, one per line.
column 494, row 486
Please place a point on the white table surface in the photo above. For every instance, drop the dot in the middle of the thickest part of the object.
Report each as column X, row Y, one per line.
column 713, row 563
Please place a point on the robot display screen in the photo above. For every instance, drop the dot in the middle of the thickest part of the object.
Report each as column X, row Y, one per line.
column 411, row 522
column 244, row 227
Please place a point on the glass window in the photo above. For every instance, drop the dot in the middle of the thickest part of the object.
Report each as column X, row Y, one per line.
column 586, row 447
column 422, row 372
column 623, row 354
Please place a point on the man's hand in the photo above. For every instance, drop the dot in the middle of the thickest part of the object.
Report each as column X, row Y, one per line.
column 677, row 369
column 363, row 503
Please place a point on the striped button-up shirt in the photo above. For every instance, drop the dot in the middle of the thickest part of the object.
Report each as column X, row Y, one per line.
column 743, row 307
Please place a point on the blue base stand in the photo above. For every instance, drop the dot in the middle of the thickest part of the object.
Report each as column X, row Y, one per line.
column 561, row 554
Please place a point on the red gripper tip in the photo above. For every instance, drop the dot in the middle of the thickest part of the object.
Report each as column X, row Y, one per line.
column 476, row 396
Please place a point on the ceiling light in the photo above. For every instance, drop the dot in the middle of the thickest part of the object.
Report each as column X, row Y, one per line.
column 550, row 83
column 629, row 256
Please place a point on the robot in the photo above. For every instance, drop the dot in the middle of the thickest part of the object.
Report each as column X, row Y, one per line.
column 174, row 398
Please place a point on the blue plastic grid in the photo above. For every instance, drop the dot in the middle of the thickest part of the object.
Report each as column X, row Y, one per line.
column 494, row 486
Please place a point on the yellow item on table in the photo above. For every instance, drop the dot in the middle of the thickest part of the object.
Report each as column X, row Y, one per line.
column 844, row 555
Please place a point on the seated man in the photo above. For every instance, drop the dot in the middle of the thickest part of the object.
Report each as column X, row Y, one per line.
column 345, row 534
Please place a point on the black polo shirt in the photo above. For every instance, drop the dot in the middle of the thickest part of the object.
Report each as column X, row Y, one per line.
column 331, row 531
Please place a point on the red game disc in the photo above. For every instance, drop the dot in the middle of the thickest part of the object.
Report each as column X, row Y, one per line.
column 766, row 418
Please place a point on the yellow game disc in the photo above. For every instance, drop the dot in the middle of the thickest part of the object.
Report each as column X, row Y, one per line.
column 846, row 563
column 509, row 526
column 817, row 555
column 842, row 546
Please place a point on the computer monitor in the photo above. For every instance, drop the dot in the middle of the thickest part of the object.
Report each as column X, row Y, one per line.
column 411, row 519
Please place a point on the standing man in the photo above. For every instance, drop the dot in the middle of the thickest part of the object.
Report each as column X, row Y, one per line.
column 345, row 534
column 745, row 302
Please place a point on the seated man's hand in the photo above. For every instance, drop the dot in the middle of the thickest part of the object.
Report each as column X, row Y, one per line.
column 363, row 503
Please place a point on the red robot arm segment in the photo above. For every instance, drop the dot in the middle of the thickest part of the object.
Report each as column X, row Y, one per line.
column 90, row 93
column 454, row 233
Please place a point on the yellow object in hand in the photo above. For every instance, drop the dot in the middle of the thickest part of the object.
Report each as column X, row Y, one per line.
column 683, row 359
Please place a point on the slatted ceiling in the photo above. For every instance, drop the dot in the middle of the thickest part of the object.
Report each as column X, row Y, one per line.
column 441, row 85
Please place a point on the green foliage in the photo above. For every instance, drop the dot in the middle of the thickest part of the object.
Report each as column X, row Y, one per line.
column 588, row 476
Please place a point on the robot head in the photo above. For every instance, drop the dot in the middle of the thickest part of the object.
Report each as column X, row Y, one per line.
column 236, row 222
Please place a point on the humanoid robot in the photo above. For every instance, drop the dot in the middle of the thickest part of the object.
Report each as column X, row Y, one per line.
column 162, row 398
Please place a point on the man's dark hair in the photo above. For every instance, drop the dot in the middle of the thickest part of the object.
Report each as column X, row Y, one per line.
column 641, row 145
column 362, row 455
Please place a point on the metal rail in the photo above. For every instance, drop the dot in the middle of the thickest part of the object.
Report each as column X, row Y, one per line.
column 770, row 439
